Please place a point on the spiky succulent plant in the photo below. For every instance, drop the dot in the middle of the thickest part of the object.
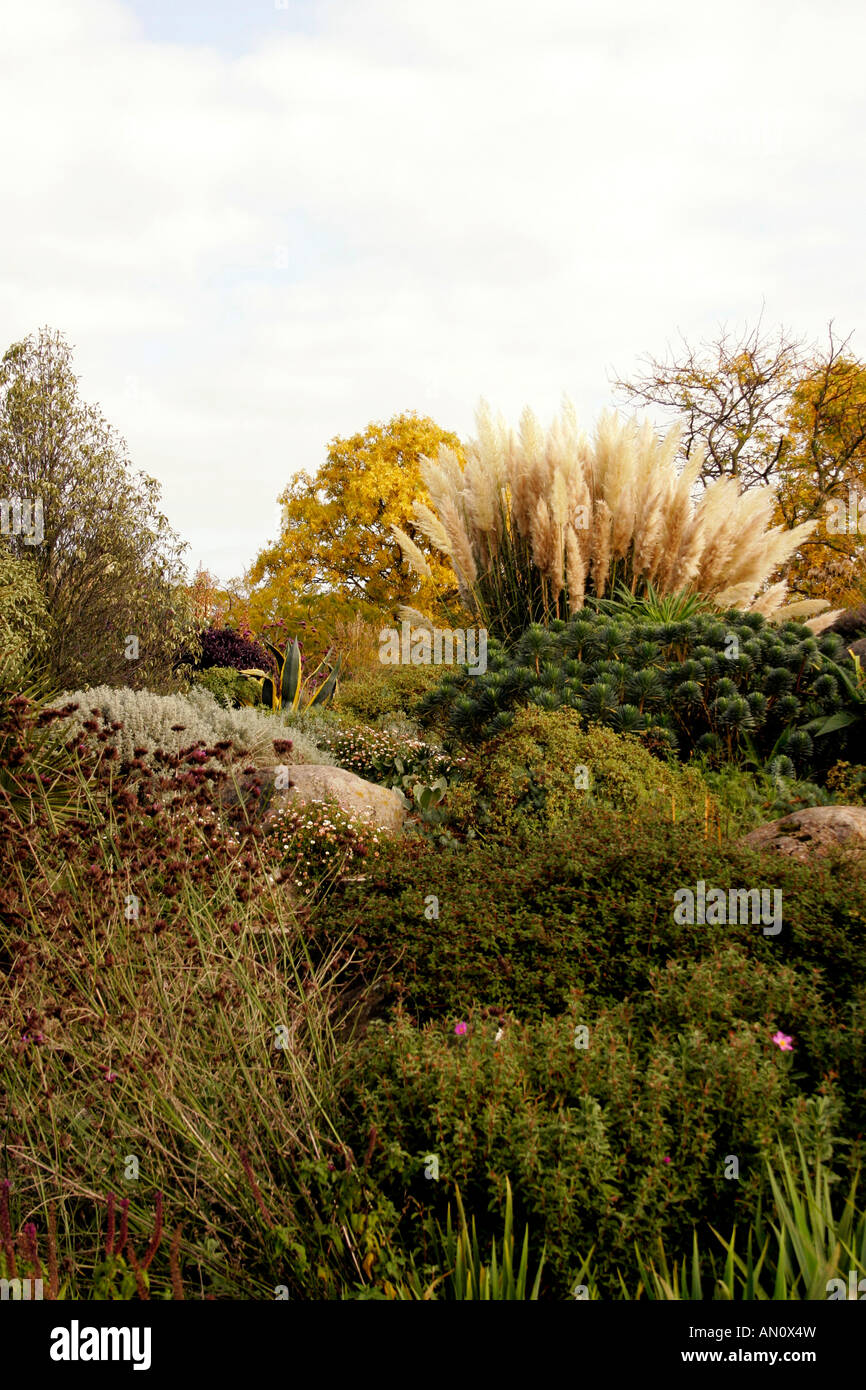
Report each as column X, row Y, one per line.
column 713, row 684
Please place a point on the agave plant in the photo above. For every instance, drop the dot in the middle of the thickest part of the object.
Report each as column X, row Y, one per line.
column 283, row 692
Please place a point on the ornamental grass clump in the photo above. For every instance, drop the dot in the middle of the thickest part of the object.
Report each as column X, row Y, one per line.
column 159, row 1004
column 538, row 521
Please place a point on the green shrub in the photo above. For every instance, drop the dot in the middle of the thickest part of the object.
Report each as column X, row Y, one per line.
column 605, row 1145
column 382, row 756
column 540, row 771
column 471, row 1278
column 316, row 842
column 747, row 797
column 518, row 926
column 718, row 686
column 372, row 696
column 848, row 783
column 24, row 619
column 811, row 1246
column 229, row 687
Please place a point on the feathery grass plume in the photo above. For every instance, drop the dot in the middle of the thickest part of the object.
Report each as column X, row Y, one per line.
column 539, row 520
column 676, row 507
column 559, row 499
column 575, row 570
column 542, row 538
column 460, row 549
column 430, row 526
column 768, row 602
column 615, row 471
column 489, row 445
column 648, row 555
column 411, row 615
column 411, row 552
column 450, row 465
column 820, row 624
column 580, row 509
column 744, row 534
column 600, row 547
column 806, row 608
column 481, row 495
column 716, row 511
column 740, row 595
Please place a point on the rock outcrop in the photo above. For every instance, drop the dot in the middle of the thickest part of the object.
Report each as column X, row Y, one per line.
column 379, row 806
column 812, row 832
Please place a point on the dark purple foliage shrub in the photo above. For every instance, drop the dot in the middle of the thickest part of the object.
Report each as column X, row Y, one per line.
column 222, row 646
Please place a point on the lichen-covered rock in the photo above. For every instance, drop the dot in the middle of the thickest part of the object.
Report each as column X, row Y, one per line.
column 279, row 787
column 814, row 831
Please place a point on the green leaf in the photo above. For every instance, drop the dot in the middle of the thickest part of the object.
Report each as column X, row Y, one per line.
column 326, row 690
column 290, row 686
column 833, row 722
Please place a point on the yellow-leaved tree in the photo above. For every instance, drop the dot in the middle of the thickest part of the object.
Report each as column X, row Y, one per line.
column 775, row 410
column 824, row 477
column 336, row 537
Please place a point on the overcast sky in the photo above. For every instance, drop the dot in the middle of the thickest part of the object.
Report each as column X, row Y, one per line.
column 264, row 224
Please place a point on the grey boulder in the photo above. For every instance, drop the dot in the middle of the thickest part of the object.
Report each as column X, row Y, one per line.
column 311, row 782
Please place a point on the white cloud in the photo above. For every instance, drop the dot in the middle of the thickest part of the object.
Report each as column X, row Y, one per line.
column 471, row 197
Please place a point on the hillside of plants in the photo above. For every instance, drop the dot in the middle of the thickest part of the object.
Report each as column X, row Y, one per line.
column 259, row 1044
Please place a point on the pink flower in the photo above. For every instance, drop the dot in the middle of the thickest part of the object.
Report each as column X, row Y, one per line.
column 783, row 1041
column 460, row 1029
column 666, row 1159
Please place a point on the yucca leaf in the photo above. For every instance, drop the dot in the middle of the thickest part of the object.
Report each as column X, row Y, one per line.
column 326, row 690
column 268, row 692
column 290, row 684
column 275, row 652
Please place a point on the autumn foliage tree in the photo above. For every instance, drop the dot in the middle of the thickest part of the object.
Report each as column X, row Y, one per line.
column 824, row 475
column 336, row 539
column 774, row 409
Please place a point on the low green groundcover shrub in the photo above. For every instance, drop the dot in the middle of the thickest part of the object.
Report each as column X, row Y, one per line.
column 383, row 756
column 656, row 1120
column 520, row 927
column 746, row 797
column 229, row 687
column 848, row 783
